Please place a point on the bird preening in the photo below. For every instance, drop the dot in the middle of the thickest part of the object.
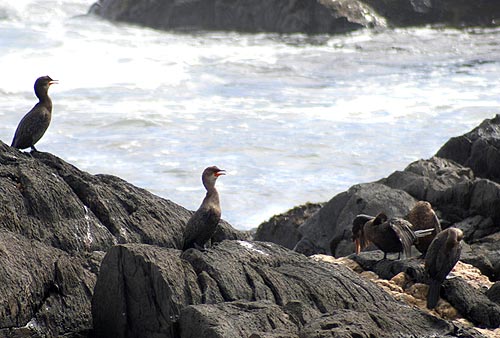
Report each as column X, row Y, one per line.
column 396, row 235
column 442, row 255
column 202, row 225
column 441, row 249
column 34, row 124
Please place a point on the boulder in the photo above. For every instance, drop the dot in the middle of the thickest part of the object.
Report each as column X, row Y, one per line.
column 472, row 303
column 330, row 228
column 236, row 319
column 282, row 16
column 235, row 289
column 43, row 290
column 478, row 149
column 493, row 293
column 283, row 228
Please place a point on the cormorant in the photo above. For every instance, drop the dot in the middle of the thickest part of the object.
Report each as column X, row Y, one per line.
column 202, row 225
column 442, row 255
column 389, row 235
column 422, row 217
column 34, row 124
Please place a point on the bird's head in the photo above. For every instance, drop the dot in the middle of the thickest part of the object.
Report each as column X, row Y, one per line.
column 43, row 83
column 358, row 235
column 210, row 175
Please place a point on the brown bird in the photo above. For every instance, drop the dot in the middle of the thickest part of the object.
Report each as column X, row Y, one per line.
column 34, row 124
column 422, row 217
column 442, row 255
column 202, row 225
column 389, row 235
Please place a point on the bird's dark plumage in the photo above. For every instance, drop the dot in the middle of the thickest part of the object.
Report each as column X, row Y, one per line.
column 423, row 217
column 389, row 235
column 34, row 124
column 202, row 225
column 442, row 255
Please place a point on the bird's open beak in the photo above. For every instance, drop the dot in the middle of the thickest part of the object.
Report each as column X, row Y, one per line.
column 53, row 82
column 219, row 173
column 357, row 243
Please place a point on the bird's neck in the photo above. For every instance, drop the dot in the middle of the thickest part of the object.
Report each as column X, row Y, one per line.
column 44, row 98
column 212, row 197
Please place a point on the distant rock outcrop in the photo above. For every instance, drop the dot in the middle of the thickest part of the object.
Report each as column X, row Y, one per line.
column 283, row 16
column 298, row 16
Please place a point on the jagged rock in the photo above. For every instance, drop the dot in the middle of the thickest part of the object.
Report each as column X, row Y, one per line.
column 306, row 16
column 373, row 322
column 283, row 228
column 471, row 303
column 331, row 227
column 444, row 183
column 63, row 220
column 388, row 268
column 484, row 255
column 456, row 13
column 43, row 290
column 493, row 293
column 236, row 288
column 478, row 149
column 236, row 319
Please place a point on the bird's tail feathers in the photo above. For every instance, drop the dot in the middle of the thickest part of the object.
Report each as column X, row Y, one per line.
column 433, row 295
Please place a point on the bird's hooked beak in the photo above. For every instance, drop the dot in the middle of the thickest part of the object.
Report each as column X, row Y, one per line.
column 53, row 82
column 220, row 172
column 357, row 244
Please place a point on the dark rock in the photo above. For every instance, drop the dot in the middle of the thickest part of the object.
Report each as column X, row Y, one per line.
column 61, row 221
column 445, row 184
column 471, row 303
column 493, row 293
column 476, row 227
column 141, row 290
column 282, row 229
column 236, row 319
column 484, row 255
column 333, row 222
column 233, row 289
column 388, row 268
column 374, row 322
column 478, row 149
column 42, row 289
column 306, row 16
column 449, row 12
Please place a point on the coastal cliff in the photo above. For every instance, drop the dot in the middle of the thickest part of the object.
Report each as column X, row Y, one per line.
column 86, row 255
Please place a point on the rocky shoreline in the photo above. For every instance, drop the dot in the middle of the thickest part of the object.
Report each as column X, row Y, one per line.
column 93, row 256
column 298, row 16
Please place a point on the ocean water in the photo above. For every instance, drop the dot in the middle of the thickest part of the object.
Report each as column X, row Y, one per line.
column 291, row 118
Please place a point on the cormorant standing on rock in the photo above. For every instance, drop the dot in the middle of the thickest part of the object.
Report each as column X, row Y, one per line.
column 202, row 225
column 34, row 124
column 422, row 217
column 389, row 235
column 442, row 255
